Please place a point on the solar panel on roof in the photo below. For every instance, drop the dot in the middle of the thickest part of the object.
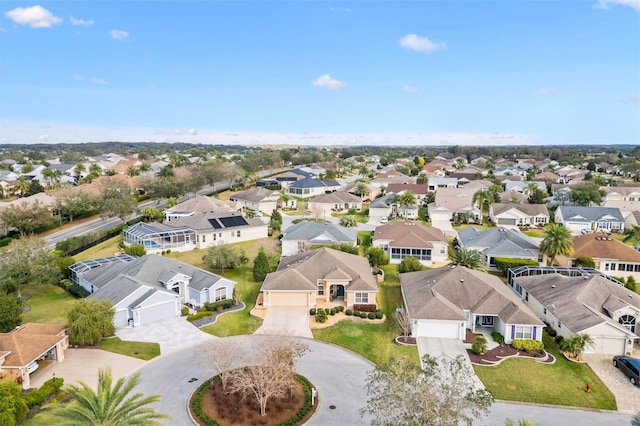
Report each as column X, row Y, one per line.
column 232, row 221
column 215, row 223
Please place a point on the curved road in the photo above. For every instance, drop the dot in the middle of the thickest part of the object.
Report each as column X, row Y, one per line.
column 339, row 375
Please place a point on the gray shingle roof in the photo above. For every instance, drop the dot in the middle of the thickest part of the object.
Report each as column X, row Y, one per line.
column 445, row 293
column 301, row 271
column 314, row 183
column 309, row 231
column 336, row 197
column 383, row 202
column 499, row 242
column 590, row 214
column 253, row 195
column 579, row 302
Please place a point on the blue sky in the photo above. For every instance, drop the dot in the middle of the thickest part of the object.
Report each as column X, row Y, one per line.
column 397, row 73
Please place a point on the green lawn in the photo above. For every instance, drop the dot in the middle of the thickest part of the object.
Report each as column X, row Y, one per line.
column 365, row 240
column 142, row 350
column 374, row 341
column 104, row 249
column 470, row 225
column 48, row 303
column 241, row 322
column 535, row 233
column 562, row 383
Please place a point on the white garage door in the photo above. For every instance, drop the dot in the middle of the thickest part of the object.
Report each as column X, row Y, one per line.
column 440, row 217
column 607, row 345
column 288, row 299
column 157, row 312
column 447, row 330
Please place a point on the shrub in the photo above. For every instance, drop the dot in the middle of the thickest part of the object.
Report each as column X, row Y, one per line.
column 348, row 312
column 527, row 345
column 479, row 345
column 215, row 306
column 586, row 262
column 339, row 308
column 363, row 314
column 379, row 314
column 40, row 395
column 320, row 310
column 371, row 315
column 504, row 263
column 135, row 250
column 497, row 337
column 184, row 311
column 332, row 311
column 5, row 241
column 312, row 311
column 356, row 313
column 559, row 339
column 365, row 307
column 77, row 291
column 321, row 316
column 551, row 331
column 199, row 315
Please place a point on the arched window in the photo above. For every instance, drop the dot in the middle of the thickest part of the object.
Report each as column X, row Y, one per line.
column 629, row 322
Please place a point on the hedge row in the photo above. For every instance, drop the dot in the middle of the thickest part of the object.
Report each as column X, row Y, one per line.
column 40, row 395
column 527, row 345
column 504, row 263
column 224, row 304
column 75, row 245
column 199, row 315
column 365, row 307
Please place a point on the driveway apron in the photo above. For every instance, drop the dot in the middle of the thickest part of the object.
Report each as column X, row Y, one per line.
column 287, row 321
column 447, row 348
column 627, row 395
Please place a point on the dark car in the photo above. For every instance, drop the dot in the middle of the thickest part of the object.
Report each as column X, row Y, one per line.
column 629, row 366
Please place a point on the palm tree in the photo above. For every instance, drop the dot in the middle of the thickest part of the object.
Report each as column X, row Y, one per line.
column 144, row 167
column 363, row 170
column 48, row 174
column 406, row 199
column 632, row 234
column 132, row 171
column 22, row 185
column 78, row 170
column 166, row 172
column 422, row 179
column 484, row 198
column 557, row 241
column 111, row 404
column 361, row 189
column 470, row 258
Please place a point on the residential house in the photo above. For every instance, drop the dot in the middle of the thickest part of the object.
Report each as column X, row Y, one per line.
column 301, row 236
column 149, row 288
column 448, row 301
column 384, row 178
column 519, row 214
column 626, row 198
column 399, row 240
column 199, row 204
column 419, row 190
column 454, row 201
column 197, row 230
column 584, row 304
column 321, row 274
column 513, row 197
column 549, row 178
column 509, row 171
column 611, row 256
column 309, row 187
column 287, row 178
column 500, row 242
column 577, row 218
column 372, row 191
column 523, row 186
column 467, row 174
column 340, row 201
column 258, row 199
column 570, row 175
column 633, row 219
column 441, row 182
column 384, row 206
column 24, row 346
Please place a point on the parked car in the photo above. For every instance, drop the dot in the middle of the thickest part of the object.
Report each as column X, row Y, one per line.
column 629, row 366
column 384, row 219
column 32, row 367
column 587, row 231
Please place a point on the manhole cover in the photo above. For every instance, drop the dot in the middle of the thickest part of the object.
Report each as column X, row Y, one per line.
column 332, row 407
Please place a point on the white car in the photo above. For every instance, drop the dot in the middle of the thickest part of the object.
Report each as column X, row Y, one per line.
column 384, row 219
column 32, row 367
column 587, row 231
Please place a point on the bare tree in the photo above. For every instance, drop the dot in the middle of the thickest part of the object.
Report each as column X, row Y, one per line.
column 273, row 373
column 404, row 322
column 223, row 355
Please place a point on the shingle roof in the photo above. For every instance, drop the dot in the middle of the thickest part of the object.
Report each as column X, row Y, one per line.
column 590, row 214
column 416, row 188
column 409, row 235
column 578, row 302
column 29, row 341
column 601, row 246
column 254, row 195
column 528, row 209
column 498, row 242
column 383, row 202
column 209, row 221
column 314, row 183
column 201, row 204
column 301, row 271
column 336, row 197
column 308, row 231
column 445, row 293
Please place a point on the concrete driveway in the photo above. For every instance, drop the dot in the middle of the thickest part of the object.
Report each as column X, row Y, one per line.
column 627, row 395
column 446, row 227
column 449, row 348
column 83, row 364
column 172, row 334
column 286, row 320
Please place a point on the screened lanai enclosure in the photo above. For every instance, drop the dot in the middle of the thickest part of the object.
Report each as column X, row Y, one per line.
column 157, row 237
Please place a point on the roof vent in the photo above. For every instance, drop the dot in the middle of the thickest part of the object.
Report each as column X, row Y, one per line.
column 553, row 286
column 462, row 280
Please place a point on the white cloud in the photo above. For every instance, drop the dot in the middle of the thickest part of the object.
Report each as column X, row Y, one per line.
column 77, row 77
column 80, row 22
column 34, row 16
column 545, row 91
column 421, row 44
column 325, row 80
column 409, row 89
column 119, row 34
column 604, row 4
column 99, row 81
column 192, row 132
column 340, row 9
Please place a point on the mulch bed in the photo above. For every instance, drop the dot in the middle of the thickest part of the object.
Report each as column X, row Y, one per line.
column 470, row 336
column 495, row 355
column 230, row 409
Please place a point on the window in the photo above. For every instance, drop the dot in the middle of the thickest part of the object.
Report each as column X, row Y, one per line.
column 526, row 296
column 443, row 250
column 540, row 257
column 629, row 322
column 606, row 266
column 320, row 289
column 401, row 253
column 544, row 311
column 238, row 233
column 524, row 332
column 204, row 238
column 221, row 293
column 362, row 297
column 559, row 324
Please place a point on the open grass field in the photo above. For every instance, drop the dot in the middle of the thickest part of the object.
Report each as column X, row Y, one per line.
column 374, row 341
column 141, row 350
column 562, row 383
column 47, row 303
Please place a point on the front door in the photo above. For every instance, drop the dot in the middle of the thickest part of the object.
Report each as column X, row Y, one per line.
column 340, row 291
column 487, row 321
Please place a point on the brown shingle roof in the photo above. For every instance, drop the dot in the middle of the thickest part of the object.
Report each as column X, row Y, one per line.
column 30, row 341
column 600, row 246
column 528, row 209
column 413, row 187
column 409, row 235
